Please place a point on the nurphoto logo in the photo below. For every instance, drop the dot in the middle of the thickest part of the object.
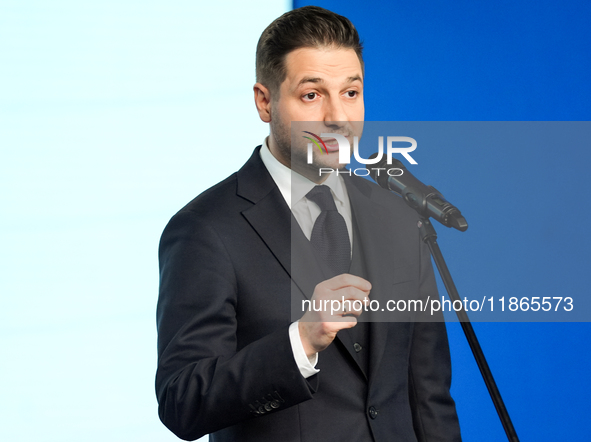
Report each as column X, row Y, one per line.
column 331, row 142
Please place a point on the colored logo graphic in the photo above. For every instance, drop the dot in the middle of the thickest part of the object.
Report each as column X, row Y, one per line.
column 392, row 147
column 316, row 142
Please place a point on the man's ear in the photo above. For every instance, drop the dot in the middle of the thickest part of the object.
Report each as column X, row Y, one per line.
column 262, row 100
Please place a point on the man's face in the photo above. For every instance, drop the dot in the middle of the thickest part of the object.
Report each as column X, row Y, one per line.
column 323, row 86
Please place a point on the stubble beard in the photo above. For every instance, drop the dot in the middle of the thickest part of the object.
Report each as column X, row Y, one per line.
column 297, row 158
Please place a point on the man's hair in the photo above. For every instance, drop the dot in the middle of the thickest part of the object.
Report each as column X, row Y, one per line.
column 306, row 27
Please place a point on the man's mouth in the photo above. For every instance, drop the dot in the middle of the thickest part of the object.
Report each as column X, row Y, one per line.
column 331, row 144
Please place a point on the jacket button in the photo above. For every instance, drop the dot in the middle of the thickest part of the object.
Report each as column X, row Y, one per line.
column 373, row 413
column 262, row 409
column 357, row 347
column 274, row 404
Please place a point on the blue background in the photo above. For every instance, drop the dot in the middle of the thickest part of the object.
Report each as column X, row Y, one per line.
column 526, row 204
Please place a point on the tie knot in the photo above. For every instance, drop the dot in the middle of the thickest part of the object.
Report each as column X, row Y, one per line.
column 321, row 195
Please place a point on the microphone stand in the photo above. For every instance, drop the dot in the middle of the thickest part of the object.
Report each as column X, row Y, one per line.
column 429, row 236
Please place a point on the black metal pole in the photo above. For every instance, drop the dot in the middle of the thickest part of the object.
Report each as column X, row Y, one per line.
column 429, row 236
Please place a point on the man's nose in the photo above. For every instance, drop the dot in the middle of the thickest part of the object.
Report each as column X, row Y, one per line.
column 335, row 114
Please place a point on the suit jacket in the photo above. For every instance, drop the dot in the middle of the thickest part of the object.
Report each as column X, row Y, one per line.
column 228, row 278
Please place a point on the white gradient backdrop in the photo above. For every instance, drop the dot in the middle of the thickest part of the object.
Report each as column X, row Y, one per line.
column 113, row 115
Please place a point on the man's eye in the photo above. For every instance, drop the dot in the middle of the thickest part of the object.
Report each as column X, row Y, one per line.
column 352, row 94
column 310, row 96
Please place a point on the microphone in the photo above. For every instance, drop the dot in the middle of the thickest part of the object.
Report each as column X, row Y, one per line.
column 426, row 200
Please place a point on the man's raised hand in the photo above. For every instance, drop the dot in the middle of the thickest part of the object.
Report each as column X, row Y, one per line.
column 319, row 328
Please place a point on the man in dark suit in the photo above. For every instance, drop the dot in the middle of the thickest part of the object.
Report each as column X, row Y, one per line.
column 237, row 262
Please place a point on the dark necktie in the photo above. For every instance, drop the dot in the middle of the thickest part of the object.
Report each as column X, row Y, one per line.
column 329, row 234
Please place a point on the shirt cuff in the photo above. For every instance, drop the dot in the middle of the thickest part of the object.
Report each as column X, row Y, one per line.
column 305, row 364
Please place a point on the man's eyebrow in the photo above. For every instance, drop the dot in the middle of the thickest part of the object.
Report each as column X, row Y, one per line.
column 310, row 80
column 320, row 80
column 354, row 78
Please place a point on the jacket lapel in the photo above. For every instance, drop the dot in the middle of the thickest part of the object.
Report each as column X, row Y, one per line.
column 271, row 218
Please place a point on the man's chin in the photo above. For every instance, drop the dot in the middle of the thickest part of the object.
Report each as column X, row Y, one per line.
column 318, row 172
column 330, row 161
column 331, row 166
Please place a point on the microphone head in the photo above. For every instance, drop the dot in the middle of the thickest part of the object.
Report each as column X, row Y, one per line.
column 426, row 200
column 457, row 221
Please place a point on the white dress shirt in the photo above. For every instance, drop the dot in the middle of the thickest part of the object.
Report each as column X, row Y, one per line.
column 293, row 188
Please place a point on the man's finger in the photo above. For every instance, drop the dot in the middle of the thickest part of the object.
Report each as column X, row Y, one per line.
column 350, row 293
column 346, row 280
